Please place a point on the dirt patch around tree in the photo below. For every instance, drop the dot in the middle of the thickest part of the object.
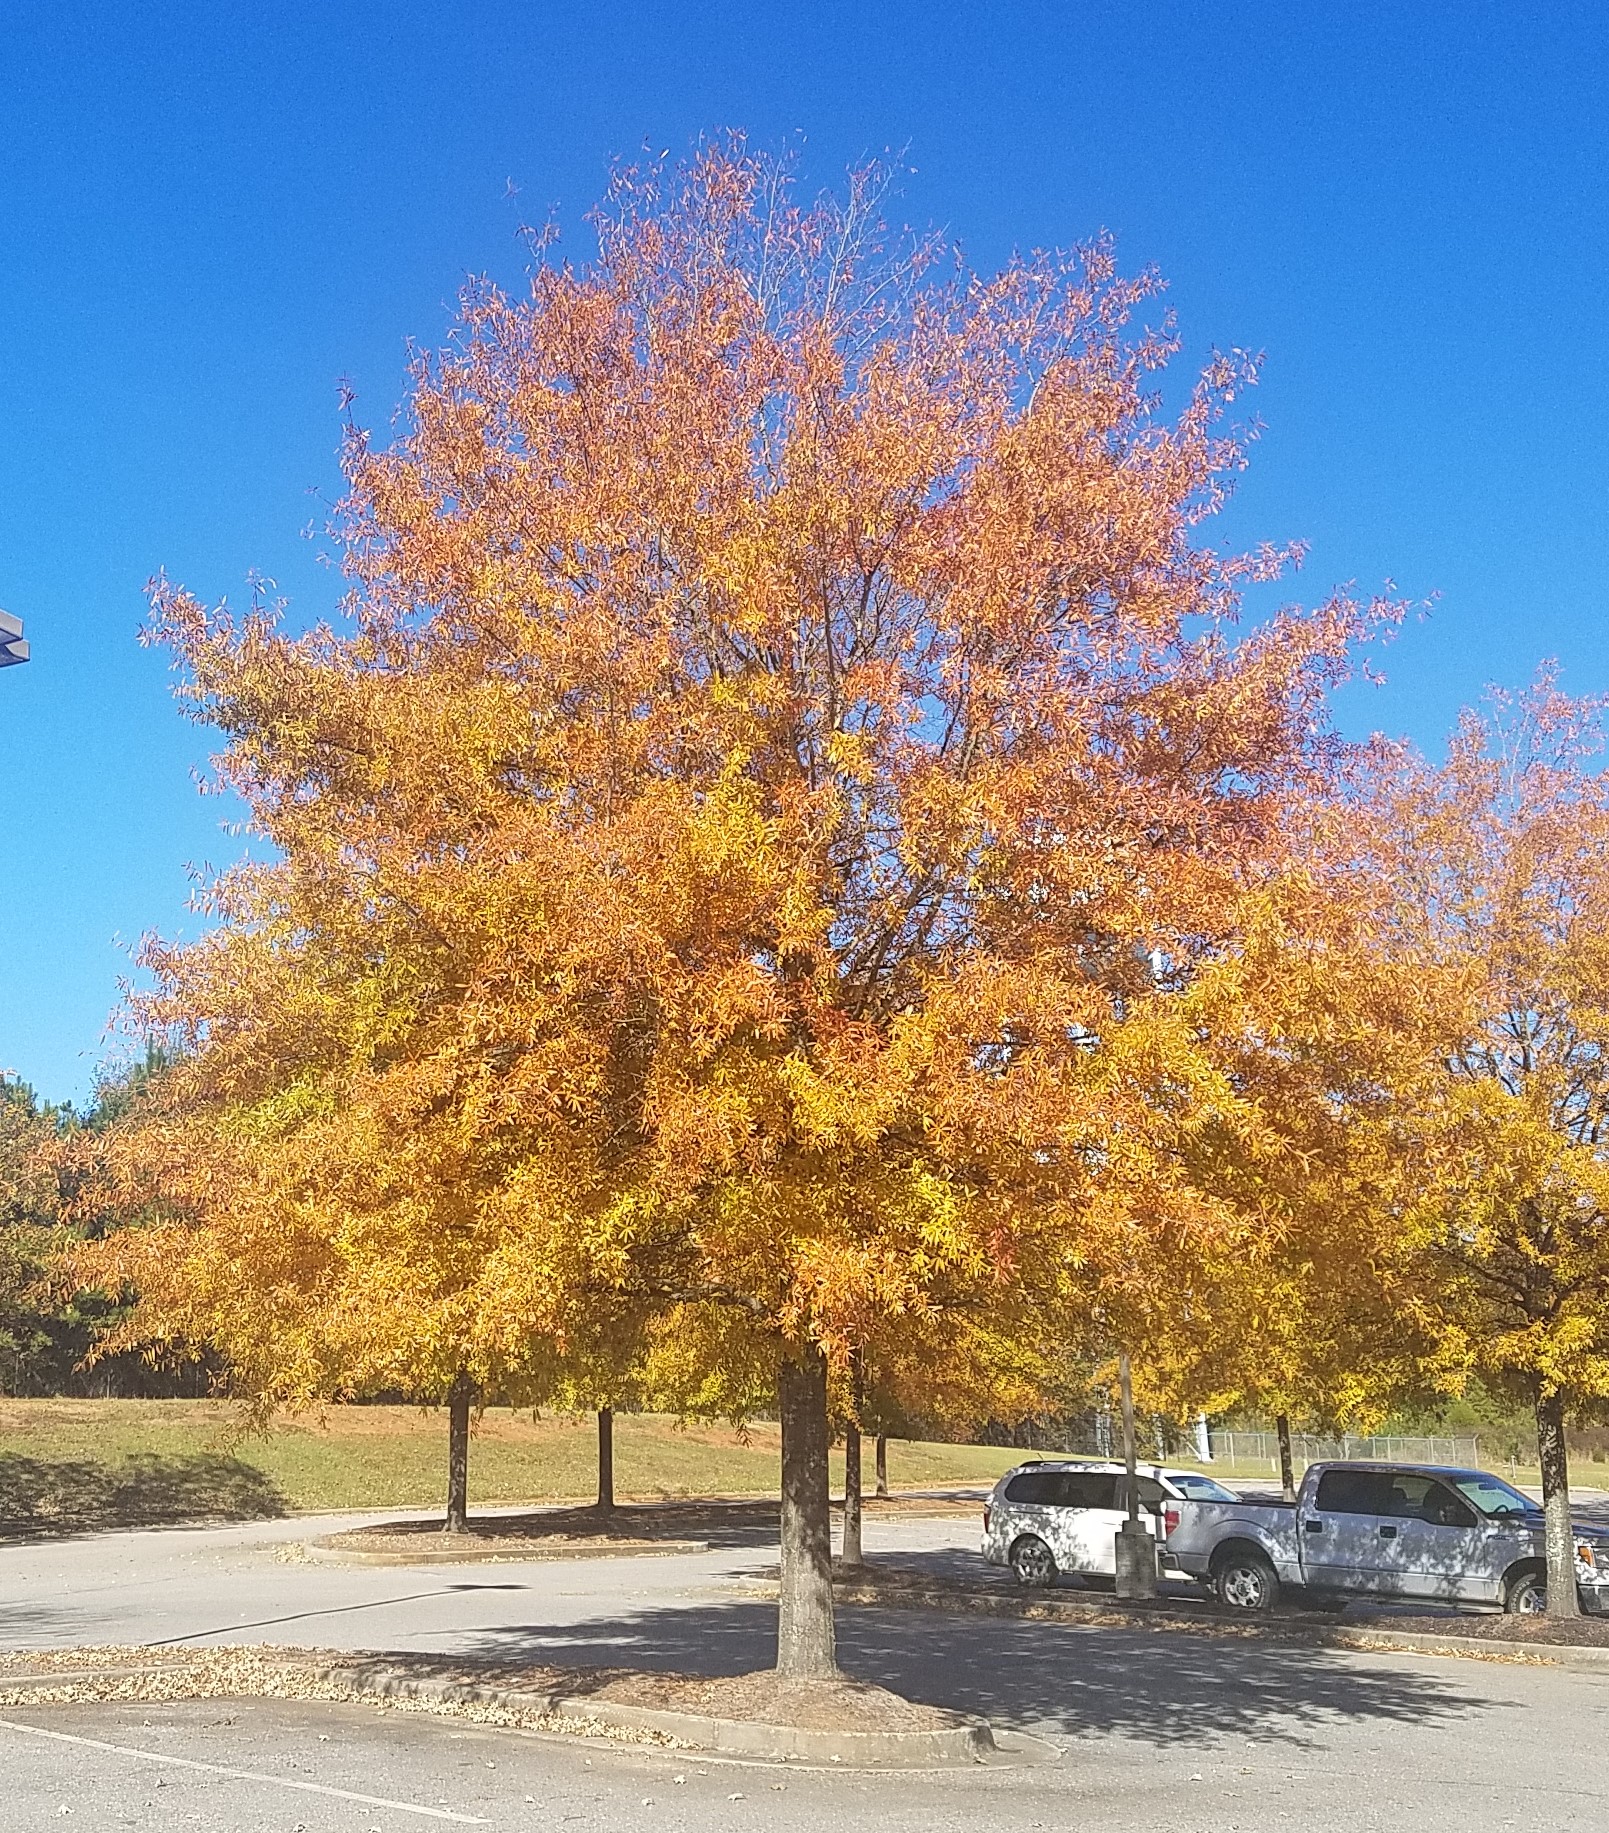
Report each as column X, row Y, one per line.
column 557, row 1533
column 582, row 1532
column 550, row 1698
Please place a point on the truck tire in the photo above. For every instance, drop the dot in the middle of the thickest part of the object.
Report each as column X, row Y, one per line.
column 1525, row 1593
column 1244, row 1580
column 1033, row 1562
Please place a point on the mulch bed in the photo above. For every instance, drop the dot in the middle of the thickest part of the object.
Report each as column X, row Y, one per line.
column 885, row 1579
column 627, row 1527
column 1560, row 1632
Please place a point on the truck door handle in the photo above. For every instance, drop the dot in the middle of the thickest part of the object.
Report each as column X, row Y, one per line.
column 1314, row 1527
column 1387, row 1532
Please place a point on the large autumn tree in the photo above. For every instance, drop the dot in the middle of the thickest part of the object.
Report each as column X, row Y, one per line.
column 1500, row 860
column 786, row 742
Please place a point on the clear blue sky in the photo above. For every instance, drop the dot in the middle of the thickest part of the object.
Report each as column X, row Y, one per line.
column 213, row 212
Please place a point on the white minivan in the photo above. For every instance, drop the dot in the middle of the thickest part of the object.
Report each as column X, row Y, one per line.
column 1053, row 1516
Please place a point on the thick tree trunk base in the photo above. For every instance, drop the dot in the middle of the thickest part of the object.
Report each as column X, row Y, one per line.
column 606, row 1460
column 460, row 1398
column 1560, row 1533
column 806, row 1640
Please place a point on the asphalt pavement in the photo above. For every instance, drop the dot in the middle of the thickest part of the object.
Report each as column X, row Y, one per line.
column 1154, row 1729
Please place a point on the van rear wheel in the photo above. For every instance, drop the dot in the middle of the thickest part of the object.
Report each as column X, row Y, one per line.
column 1245, row 1581
column 1033, row 1562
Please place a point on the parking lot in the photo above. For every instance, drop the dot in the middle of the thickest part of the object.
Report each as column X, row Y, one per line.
column 1154, row 1729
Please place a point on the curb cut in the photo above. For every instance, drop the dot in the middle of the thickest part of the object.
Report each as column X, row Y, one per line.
column 1362, row 1639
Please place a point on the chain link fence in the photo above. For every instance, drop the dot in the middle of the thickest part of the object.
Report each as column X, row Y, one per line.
column 1247, row 1450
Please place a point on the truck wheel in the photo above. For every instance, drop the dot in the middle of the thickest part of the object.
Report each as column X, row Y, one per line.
column 1245, row 1581
column 1525, row 1594
column 1033, row 1562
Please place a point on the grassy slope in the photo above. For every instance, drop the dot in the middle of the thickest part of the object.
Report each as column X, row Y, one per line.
column 80, row 1465
column 161, row 1459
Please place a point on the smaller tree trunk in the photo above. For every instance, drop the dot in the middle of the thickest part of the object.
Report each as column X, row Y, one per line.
column 1125, row 1389
column 806, row 1642
column 1287, row 1469
column 606, row 1460
column 1562, row 1598
column 852, row 1512
column 882, row 1465
column 459, row 1399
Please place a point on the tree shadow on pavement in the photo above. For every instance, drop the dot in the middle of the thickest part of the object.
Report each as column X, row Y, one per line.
column 1166, row 1688
column 41, row 1500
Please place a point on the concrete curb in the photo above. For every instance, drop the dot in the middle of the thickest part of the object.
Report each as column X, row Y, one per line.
column 968, row 1743
column 325, row 1553
column 960, row 1744
column 1361, row 1639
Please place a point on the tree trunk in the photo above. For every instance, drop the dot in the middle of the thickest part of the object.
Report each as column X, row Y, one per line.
column 1562, row 1599
column 459, row 1398
column 806, row 1647
column 1125, row 1388
column 851, row 1553
column 882, row 1465
column 1287, row 1470
column 606, row 1460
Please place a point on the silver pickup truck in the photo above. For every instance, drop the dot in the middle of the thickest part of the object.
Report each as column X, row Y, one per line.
column 1384, row 1531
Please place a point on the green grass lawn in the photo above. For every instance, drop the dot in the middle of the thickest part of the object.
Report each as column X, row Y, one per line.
column 70, row 1465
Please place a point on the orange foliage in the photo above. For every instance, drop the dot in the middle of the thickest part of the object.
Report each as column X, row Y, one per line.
column 786, row 751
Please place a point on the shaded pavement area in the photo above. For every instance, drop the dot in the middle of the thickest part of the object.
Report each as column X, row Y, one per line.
column 1056, row 1680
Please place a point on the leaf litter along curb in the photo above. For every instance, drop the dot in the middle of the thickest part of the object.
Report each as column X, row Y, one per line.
column 530, row 1701
column 94, row 1676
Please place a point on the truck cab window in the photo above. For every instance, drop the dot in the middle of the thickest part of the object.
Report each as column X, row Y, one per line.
column 1353, row 1492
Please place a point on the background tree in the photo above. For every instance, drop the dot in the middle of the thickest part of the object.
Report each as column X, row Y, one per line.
column 1501, row 861
column 1307, row 1306
column 48, row 1333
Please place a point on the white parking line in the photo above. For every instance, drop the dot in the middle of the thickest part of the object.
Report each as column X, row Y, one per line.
column 244, row 1775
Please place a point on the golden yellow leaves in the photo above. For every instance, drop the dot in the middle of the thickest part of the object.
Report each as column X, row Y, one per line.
column 769, row 841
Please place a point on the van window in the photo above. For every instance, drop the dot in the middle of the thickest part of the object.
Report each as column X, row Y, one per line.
column 1064, row 1489
column 1032, row 1487
column 1354, row 1492
column 1088, row 1489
